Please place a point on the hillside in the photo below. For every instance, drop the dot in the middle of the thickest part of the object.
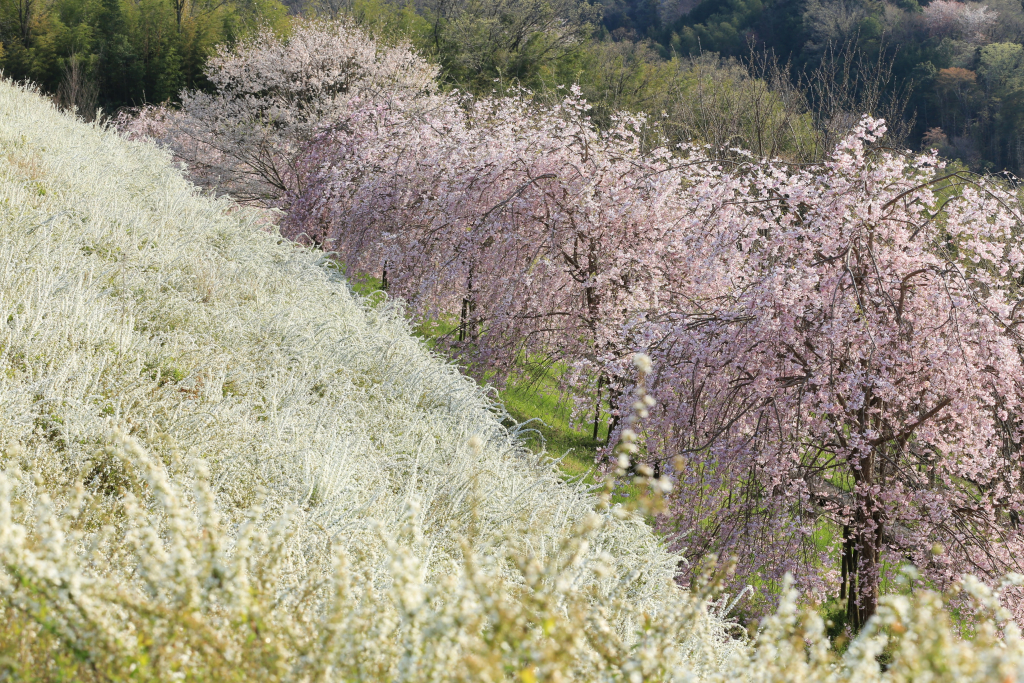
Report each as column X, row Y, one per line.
column 219, row 464
column 139, row 315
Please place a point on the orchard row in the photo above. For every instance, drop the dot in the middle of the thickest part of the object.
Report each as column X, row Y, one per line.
column 836, row 348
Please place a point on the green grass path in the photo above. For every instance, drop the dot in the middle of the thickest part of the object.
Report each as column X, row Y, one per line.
column 538, row 403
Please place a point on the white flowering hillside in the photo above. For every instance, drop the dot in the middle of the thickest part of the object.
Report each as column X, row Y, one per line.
column 221, row 465
column 139, row 316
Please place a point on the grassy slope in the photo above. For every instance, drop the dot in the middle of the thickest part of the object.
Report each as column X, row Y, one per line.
column 127, row 300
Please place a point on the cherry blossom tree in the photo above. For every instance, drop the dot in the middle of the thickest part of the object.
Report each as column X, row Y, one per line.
column 271, row 95
column 862, row 370
column 946, row 17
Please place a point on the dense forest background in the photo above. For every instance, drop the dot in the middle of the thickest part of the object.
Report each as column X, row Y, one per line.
column 777, row 77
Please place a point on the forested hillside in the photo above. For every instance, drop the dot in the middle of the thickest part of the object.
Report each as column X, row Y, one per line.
column 777, row 77
column 963, row 63
column 114, row 53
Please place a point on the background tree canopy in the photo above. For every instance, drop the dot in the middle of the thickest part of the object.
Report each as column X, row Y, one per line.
column 961, row 61
column 113, row 53
column 781, row 77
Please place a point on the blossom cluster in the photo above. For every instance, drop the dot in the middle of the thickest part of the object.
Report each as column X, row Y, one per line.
column 973, row 21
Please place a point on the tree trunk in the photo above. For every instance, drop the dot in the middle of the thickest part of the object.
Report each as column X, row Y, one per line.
column 462, row 319
column 597, row 405
column 845, row 563
column 467, row 329
column 867, row 538
column 25, row 22
column 613, row 399
column 852, row 613
column 592, row 300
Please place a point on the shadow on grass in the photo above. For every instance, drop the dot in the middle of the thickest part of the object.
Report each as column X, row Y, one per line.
column 536, row 400
column 551, row 420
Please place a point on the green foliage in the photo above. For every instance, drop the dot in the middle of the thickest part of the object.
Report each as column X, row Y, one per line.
column 113, row 53
column 715, row 26
column 718, row 101
column 392, row 21
column 480, row 42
